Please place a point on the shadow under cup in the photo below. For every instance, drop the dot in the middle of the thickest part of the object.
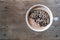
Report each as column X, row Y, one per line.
column 32, row 24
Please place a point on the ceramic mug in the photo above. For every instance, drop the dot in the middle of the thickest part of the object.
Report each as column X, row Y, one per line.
column 44, row 8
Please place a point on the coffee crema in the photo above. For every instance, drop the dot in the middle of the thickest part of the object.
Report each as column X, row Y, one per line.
column 38, row 18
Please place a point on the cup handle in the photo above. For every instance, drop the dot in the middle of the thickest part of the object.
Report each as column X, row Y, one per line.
column 56, row 18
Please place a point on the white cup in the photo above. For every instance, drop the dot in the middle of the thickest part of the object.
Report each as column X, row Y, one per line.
column 44, row 8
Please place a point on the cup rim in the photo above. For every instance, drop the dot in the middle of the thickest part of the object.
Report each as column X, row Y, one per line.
column 50, row 14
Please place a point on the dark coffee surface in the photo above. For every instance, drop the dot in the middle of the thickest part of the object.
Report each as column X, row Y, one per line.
column 41, row 17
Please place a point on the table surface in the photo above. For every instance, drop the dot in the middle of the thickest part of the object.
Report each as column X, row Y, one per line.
column 13, row 25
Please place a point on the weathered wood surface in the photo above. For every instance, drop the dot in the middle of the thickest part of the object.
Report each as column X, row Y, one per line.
column 14, row 27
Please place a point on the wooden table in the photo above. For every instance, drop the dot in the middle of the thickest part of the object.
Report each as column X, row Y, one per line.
column 14, row 27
